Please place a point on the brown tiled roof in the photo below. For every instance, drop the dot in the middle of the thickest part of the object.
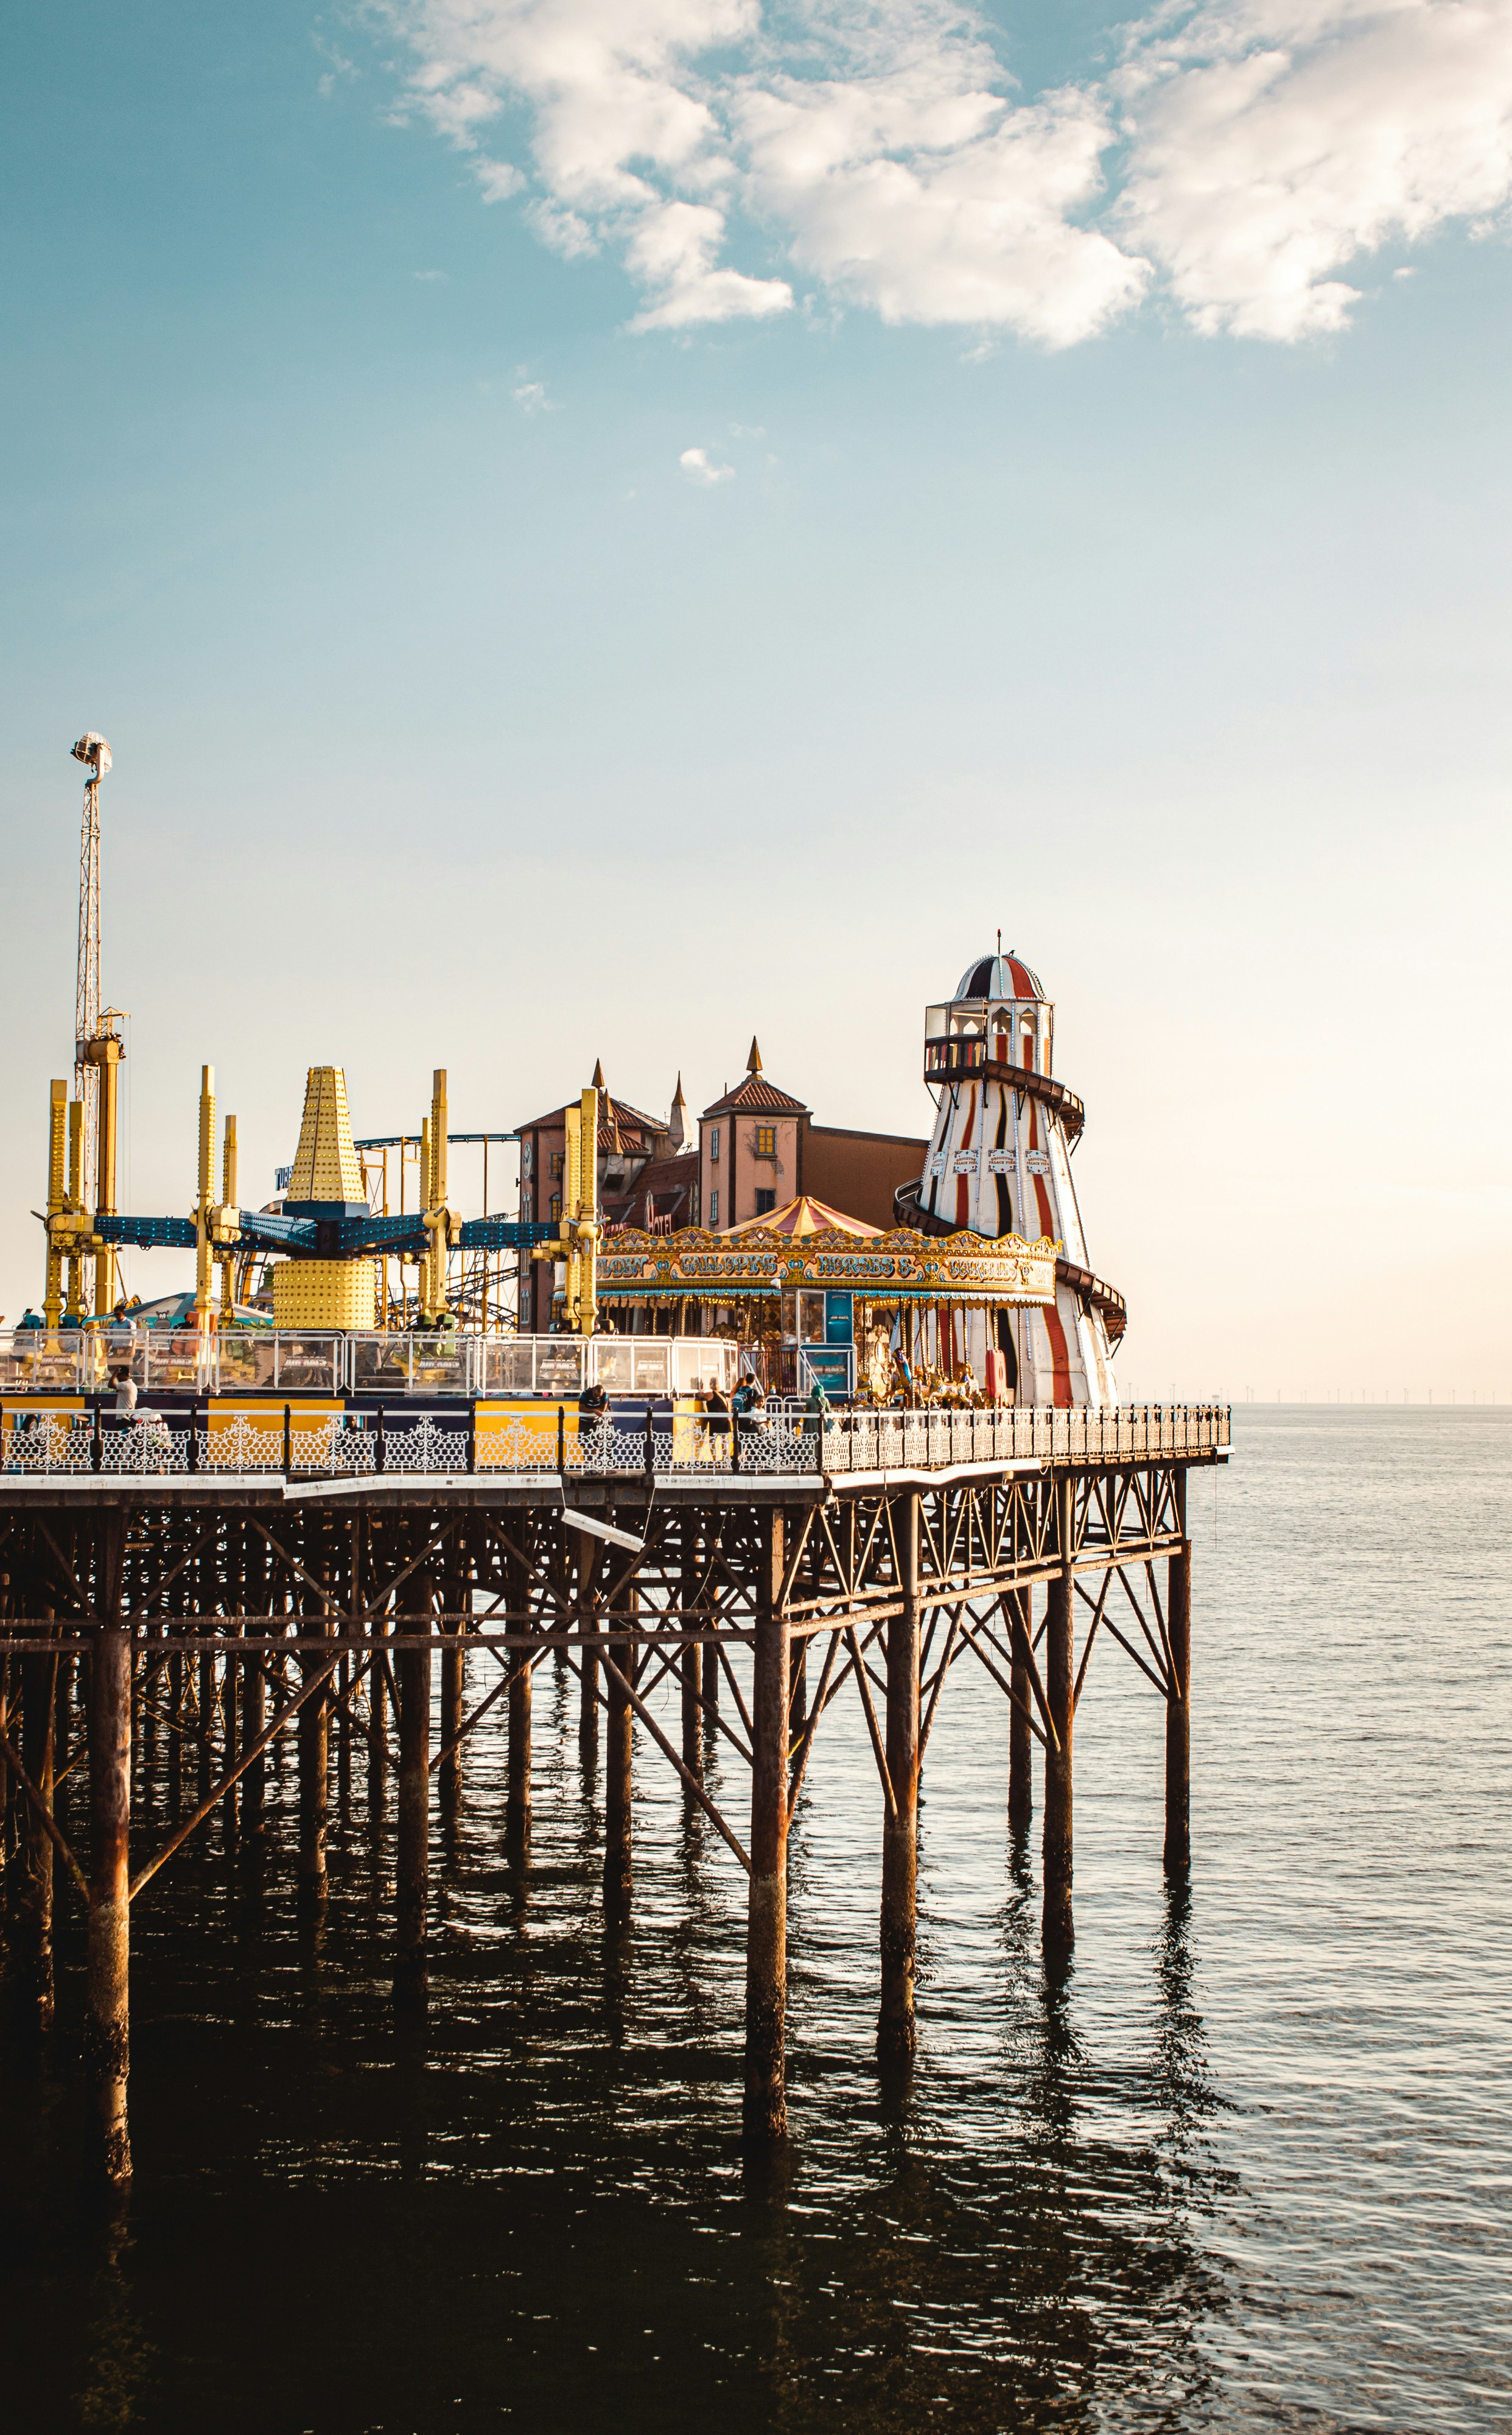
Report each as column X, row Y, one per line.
column 617, row 1112
column 756, row 1093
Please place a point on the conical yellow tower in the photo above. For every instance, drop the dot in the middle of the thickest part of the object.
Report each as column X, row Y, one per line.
column 326, row 1183
column 326, row 1167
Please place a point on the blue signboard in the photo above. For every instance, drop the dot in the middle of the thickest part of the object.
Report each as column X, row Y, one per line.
column 831, row 1370
column 837, row 1323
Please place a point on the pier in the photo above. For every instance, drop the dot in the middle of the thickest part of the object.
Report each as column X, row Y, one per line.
column 382, row 1591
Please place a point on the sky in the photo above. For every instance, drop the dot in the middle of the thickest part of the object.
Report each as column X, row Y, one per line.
column 598, row 528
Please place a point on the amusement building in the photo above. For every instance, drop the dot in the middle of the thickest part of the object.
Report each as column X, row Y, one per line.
column 759, row 1249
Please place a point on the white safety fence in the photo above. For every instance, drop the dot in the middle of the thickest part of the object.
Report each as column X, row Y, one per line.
column 782, row 1441
column 257, row 1360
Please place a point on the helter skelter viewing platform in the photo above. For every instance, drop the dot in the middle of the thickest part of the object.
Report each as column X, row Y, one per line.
column 382, row 1534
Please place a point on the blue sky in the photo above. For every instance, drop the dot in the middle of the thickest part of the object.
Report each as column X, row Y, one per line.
column 1125, row 568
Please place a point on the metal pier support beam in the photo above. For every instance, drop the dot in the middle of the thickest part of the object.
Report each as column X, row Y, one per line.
column 205, row 1703
column 900, row 1824
column 518, row 1698
column 449, row 1769
column 314, row 1775
column 412, row 1671
column 588, row 1571
column 1058, row 1926
column 1179, row 1707
column 766, row 2105
column 619, row 1743
column 688, row 1663
column 31, row 1919
column 252, row 1687
column 1021, row 1741
column 107, row 2017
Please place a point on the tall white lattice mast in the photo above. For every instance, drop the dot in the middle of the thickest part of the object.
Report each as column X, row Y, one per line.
column 95, row 754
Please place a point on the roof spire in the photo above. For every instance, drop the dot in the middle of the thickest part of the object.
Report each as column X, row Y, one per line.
column 677, row 1122
column 599, row 1083
column 754, row 1062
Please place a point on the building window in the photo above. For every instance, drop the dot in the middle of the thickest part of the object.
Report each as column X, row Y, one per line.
column 765, row 1201
column 556, row 1164
column 714, row 1207
column 556, row 1207
column 767, row 1141
column 714, row 1145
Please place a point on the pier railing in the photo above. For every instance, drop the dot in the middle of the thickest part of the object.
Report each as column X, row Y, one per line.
column 549, row 1439
column 264, row 1360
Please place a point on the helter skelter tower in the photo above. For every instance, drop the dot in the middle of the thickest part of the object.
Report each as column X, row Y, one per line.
column 1000, row 1164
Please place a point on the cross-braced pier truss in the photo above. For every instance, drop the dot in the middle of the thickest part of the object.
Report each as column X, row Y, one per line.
column 237, row 1605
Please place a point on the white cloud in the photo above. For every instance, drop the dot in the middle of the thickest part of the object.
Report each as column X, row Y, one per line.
column 498, row 180
column 694, row 463
column 1273, row 142
column 531, row 398
column 1239, row 156
column 429, row 277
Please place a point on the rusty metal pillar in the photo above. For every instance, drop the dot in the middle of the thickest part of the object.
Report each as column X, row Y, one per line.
column 618, row 1761
column 711, row 1654
column 315, row 1757
column 765, row 2102
column 1020, row 1611
column 454, row 1665
column 1058, row 1926
column 107, row 2013
column 1178, row 1700
column 205, row 1703
column 589, row 1561
column 521, row 1703
column 688, row 1663
column 900, row 1824
column 252, row 1691
column 412, row 1670
column 31, row 1916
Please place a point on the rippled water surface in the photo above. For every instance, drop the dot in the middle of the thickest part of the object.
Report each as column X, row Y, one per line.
column 1248, row 2166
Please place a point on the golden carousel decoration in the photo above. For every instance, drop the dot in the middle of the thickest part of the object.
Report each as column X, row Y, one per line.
column 807, row 1276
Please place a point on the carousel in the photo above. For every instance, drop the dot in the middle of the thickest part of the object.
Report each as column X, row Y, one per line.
column 816, row 1300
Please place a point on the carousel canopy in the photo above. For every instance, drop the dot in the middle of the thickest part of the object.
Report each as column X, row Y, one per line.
column 757, row 1260
column 804, row 1216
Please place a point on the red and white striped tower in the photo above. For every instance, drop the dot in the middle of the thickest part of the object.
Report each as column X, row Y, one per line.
column 1000, row 1164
